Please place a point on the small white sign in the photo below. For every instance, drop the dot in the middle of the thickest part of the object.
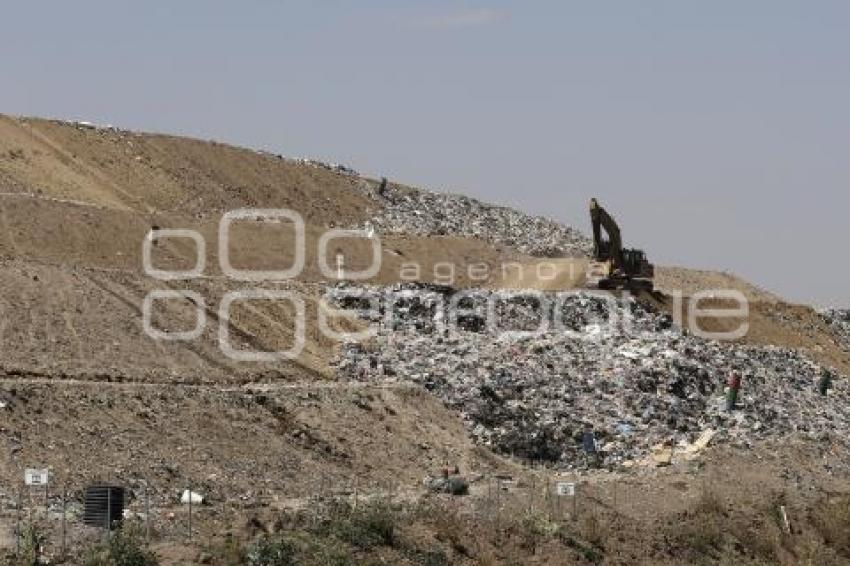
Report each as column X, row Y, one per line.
column 33, row 476
column 565, row 489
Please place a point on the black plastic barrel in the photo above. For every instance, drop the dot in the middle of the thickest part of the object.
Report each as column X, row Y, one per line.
column 104, row 506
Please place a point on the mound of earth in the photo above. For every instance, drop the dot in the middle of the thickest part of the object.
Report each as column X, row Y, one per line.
column 86, row 391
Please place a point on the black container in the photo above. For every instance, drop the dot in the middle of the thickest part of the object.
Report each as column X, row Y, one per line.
column 104, row 506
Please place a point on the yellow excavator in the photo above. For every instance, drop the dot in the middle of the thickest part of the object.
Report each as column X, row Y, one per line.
column 612, row 265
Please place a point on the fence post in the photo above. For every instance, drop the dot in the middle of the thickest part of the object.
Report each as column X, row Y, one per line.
column 559, row 505
column 64, row 512
column 108, row 512
column 576, row 491
column 498, row 504
column 147, row 515
column 190, row 510
column 616, row 509
column 18, row 521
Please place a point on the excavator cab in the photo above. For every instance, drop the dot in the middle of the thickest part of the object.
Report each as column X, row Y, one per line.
column 613, row 266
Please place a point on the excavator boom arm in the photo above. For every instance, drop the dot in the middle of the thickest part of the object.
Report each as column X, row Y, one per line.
column 600, row 219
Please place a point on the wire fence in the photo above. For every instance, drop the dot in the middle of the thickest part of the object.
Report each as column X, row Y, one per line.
column 184, row 514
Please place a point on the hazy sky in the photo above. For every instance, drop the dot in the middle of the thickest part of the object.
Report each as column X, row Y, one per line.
column 717, row 132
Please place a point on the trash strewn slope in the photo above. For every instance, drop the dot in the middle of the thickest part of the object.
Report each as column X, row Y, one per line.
column 426, row 213
column 839, row 322
column 613, row 369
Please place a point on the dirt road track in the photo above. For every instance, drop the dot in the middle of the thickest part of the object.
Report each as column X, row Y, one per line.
column 248, row 387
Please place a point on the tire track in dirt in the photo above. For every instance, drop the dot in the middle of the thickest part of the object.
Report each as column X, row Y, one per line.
column 212, row 314
column 65, row 292
column 7, row 229
column 97, row 177
column 135, row 306
column 19, row 377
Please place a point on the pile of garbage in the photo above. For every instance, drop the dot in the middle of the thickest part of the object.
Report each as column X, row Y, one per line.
column 86, row 125
column 839, row 322
column 336, row 167
column 426, row 213
column 535, row 375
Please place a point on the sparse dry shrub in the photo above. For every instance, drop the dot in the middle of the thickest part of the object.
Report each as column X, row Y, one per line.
column 368, row 526
column 592, row 530
column 700, row 533
column 447, row 524
column 831, row 519
column 535, row 527
column 764, row 539
column 709, row 503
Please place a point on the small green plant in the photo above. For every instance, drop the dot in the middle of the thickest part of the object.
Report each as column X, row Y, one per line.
column 230, row 552
column 371, row 525
column 535, row 528
column 446, row 523
column 32, row 543
column 301, row 549
column 272, row 552
column 125, row 547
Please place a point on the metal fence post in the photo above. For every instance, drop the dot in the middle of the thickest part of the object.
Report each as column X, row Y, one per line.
column 64, row 512
column 147, row 515
column 490, row 495
column 108, row 512
column 576, row 491
column 616, row 509
column 190, row 510
column 498, row 504
column 559, row 505
column 18, row 521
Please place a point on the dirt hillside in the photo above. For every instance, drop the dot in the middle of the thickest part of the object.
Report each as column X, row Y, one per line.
column 86, row 392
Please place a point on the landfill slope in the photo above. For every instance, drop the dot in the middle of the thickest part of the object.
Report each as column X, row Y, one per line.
column 87, row 392
column 586, row 364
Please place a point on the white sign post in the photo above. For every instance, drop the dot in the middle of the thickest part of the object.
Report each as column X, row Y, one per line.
column 37, row 478
column 567, row 489
column 33, row 476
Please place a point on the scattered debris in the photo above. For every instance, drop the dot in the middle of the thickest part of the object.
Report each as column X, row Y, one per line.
column 839, row 322
column 786, row 523
column 336, row 167
column 453, row 485
column 615, row 367
column 428, row 213
column 662, row 455
column 693, row 450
